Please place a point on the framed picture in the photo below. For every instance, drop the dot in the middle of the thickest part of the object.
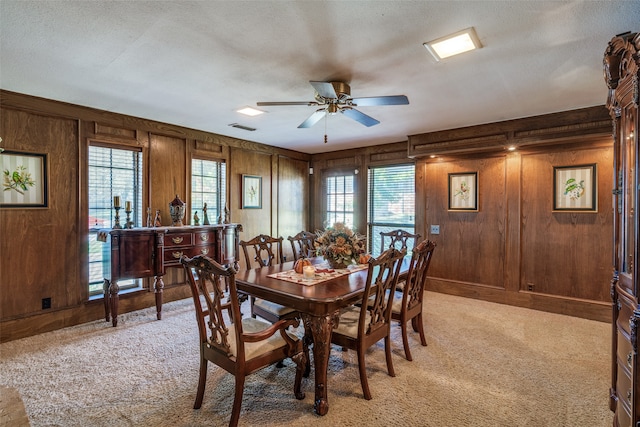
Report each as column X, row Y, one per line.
column 251, row 192
column 24, row 180
column 463, row 191
column 575, row 188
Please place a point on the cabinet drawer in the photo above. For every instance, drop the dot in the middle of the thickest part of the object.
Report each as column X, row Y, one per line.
column 204, row 238
column 624, row 316
column 625, row 353
column 178, row 239
column 172, row 256
column 623, row 389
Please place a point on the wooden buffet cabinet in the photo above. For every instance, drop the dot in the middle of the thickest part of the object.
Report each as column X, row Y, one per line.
column 148, row 252
column 622, row 73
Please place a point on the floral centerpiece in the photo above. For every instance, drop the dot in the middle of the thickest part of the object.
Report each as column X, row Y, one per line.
column 339, row 245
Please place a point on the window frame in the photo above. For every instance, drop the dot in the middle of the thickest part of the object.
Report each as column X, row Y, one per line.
column 223, row 196
column 325, row 195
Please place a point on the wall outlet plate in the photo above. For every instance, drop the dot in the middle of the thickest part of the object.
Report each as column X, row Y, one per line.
column 435, row 229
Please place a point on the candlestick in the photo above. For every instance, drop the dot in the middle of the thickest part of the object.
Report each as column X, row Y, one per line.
column 117, row 225
column 308, row 272
column 116, row 201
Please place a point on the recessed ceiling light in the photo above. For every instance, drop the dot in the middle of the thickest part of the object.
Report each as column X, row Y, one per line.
column 454, row 44
column 250, row 111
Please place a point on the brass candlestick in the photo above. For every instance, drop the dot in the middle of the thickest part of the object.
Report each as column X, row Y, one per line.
column 129, row 223
column 117, row 225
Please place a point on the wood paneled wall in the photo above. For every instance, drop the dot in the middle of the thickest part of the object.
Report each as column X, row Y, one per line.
column 43, row 252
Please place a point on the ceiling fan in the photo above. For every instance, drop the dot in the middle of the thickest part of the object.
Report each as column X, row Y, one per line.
column 335, row 97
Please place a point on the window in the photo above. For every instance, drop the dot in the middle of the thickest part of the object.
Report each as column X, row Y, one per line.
column 340, row 193
column 391, row 202
column 112, row 172
column 208, row 185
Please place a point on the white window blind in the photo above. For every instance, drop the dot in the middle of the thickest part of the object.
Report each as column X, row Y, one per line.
column 208, row 185
column 391, row 197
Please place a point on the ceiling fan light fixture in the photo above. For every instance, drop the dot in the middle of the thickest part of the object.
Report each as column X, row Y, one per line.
column 453, row 44
column 249, row 111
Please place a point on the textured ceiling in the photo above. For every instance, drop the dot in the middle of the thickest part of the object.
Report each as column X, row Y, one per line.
column 193, row 63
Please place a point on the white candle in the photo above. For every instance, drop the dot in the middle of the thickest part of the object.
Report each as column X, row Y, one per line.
column 308, row 272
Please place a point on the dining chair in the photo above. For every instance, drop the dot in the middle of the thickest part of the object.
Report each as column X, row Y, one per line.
column 399, row 239
column 239, row 346
column 302, row 245
column 265, row 251
column 361, row 326
column 407, row 303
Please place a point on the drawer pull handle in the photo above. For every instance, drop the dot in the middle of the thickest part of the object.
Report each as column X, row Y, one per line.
column 629, row 395
column 629, row 358
column 177, row 255
column 204, row 251
column 204, row 237
column 177, row 240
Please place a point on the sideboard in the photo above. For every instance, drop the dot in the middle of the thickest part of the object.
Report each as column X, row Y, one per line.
column 148, row 252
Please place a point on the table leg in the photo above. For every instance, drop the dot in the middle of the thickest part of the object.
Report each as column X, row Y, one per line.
column 320, row 327
column 158, row 286
column 113, row 302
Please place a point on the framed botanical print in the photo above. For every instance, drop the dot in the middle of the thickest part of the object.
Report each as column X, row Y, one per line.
column 24, row 180
column 575, row 188
column 251, row 192
column 463, row 191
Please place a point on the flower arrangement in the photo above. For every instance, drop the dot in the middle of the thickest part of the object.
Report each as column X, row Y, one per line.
column 339, row 245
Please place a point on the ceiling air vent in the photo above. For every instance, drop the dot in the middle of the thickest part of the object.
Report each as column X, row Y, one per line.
column 239, row 126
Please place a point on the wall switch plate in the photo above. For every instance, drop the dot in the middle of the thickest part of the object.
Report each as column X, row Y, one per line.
column 435, row 229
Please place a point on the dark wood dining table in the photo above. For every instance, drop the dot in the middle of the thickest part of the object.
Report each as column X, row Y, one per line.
column 319, row 305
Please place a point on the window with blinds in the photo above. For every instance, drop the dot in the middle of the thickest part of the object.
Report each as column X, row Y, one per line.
column 112, row 172
column 391, row 196
column 340, row 196
column 208, row 185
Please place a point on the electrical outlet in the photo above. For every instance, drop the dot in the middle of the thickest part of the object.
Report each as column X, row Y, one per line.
column 435, row 229
column 46, row 303
column 530, row 287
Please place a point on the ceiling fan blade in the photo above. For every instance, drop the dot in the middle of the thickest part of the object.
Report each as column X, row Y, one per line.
column 359, row 117
column 324, row 89
column 267, row 104
column 380, row 100
column 313, row 119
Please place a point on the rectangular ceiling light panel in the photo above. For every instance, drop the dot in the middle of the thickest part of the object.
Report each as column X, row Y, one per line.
column 454, row 44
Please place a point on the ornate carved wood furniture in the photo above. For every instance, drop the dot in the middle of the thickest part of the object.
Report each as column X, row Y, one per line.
column 361, row 326
column 407, row 303
column 622, row 74
column 241, row 346
column 302, row 245
column 264, row 251
column 398, row 239
column 148, row 252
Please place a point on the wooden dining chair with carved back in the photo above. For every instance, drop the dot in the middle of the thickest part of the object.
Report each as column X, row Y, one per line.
column 265, row 251
column 239, row 346
column 407, row 303
column 302, row 245
column 362, row 326
column 399, row 239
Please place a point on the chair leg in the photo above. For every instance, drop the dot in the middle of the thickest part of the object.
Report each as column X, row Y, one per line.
column 418, row 326
column 252, row 301
column 362, row 367
column 237, row 401
column 202, row 380
column 387, row 352
column 301, row 363
column 307, row 340
column 405, row 340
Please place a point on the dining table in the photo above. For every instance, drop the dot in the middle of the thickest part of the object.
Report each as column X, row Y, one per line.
column 319, row 304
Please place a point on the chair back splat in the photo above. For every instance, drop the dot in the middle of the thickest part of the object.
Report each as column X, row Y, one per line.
column 239, row 346
column 408, row 301
column 399, row 239
column 262, row 251
column 302, row 245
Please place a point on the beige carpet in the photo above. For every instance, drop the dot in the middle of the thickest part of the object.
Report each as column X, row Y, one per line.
column 486, row 365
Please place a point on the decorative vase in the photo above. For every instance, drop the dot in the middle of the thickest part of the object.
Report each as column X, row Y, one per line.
column 177, row 209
